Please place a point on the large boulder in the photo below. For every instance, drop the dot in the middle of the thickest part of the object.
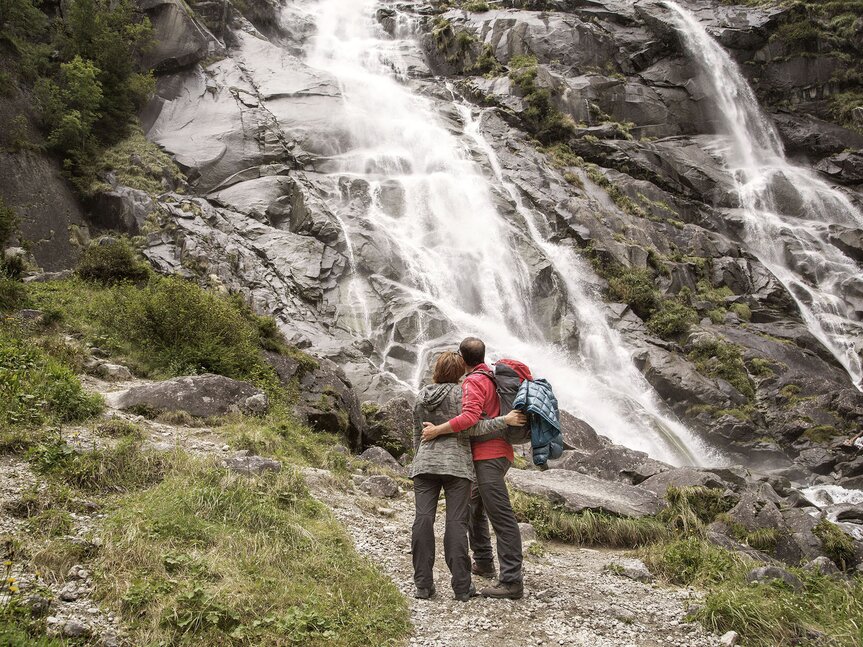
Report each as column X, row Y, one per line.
column 328, row 402
column 845, row 167
column 577, row 492
column 179, row 39
column 683, row 477
column 579, row 435
column 612, row 463
column 199, row 395
column 390, row 425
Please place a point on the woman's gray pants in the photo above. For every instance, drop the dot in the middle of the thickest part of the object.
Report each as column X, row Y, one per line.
column 427, row 489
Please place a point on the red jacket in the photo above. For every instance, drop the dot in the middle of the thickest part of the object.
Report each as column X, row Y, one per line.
column 480, row 397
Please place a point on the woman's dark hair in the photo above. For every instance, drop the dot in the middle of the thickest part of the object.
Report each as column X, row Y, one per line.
column 472, row 350
column 449, row 367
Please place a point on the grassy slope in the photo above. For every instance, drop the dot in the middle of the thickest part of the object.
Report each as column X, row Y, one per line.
column 192, row 554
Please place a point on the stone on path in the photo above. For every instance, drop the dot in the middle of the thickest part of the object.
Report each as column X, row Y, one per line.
column 380, row 486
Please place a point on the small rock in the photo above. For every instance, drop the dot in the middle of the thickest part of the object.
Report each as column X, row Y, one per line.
column 634, row 569
column 823, row 565
column 252, row 464
column 729, row 639
column 768, row 573
column 528, row 533
column 74, row 628
column 380, row 486
column 380, row 456
column 114, row 372
column 258, row 403
column 386, row 512
column 69, row 593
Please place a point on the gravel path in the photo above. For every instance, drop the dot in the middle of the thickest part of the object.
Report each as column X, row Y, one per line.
column 570, row 599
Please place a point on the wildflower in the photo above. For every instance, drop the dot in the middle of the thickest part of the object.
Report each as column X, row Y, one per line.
column 7, row 563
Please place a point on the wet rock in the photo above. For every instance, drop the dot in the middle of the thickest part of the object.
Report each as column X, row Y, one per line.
column 380, row 456
column 845, row 168
column 579, row 435
column 769, row 573
column 199, row 395
column 380, row 486
column 577, row 492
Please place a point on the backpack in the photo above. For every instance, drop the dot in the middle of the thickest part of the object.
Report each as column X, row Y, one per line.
column 507, row 378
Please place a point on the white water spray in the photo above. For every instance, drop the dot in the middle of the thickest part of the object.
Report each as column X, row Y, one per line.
column 461, row 256
column 788, row 209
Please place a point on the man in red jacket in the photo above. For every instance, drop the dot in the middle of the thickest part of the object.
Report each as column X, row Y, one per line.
column 492, row 459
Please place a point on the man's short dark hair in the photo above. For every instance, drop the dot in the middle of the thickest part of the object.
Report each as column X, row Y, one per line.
column 472, row 350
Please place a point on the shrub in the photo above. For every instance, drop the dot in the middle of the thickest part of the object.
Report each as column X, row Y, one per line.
column 112, row 262
column 174, row 327
column 836, row 544
column 692, row 561
column 672, row 319
column 542, row 119
column 12, row 294
column 718, row 358
column 35, row 388
column 690, row 507
column 636, row 288
column 8, row 222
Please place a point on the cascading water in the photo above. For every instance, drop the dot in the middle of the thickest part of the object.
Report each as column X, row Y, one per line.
column 461, row 257
column 789, row 212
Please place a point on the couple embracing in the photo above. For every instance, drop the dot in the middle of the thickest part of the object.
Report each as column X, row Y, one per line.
column 461, row 447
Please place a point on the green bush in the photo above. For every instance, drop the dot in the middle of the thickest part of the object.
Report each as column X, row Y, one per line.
column 672, row 319
column 636, row 288
column 718, row 358
column 112, row 263
column 174, row 327
column 12, row 294
column 8, row 222
column 36, row 388
column 837, row 545
column 543, row 120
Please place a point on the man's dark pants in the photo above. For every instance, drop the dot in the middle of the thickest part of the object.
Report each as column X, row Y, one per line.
column 427, row 489
column 490, row 497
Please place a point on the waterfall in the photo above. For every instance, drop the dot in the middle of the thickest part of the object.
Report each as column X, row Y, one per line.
column 462, row 257
column 789, row 212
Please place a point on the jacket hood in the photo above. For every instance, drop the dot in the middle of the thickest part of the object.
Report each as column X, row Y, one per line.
column 432, row 395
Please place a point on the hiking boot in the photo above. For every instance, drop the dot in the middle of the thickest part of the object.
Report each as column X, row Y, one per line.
column 508, row 590
column 424, row 594
column 483, row 569
column 464, row 597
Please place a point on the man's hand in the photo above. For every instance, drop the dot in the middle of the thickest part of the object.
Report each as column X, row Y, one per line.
column 430, row 431
column 515, row 418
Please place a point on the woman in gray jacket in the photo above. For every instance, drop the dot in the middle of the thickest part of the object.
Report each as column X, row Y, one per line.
column 445, row 462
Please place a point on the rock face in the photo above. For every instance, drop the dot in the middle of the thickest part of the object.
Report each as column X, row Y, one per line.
column 578, row 492
column 276, row 212
column 391, row 425
column 199, row 395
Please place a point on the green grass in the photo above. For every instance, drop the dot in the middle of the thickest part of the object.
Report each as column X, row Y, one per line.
column 168, row 327
column 836, row 544
column 586, row 528
column 37, row 388
column 672, row 319
column 209, row 557
column 718, row 358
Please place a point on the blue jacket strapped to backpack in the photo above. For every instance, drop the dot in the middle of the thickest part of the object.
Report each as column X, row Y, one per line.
column 536, row 397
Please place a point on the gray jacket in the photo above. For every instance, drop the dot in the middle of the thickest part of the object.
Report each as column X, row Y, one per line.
column 448, row 454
